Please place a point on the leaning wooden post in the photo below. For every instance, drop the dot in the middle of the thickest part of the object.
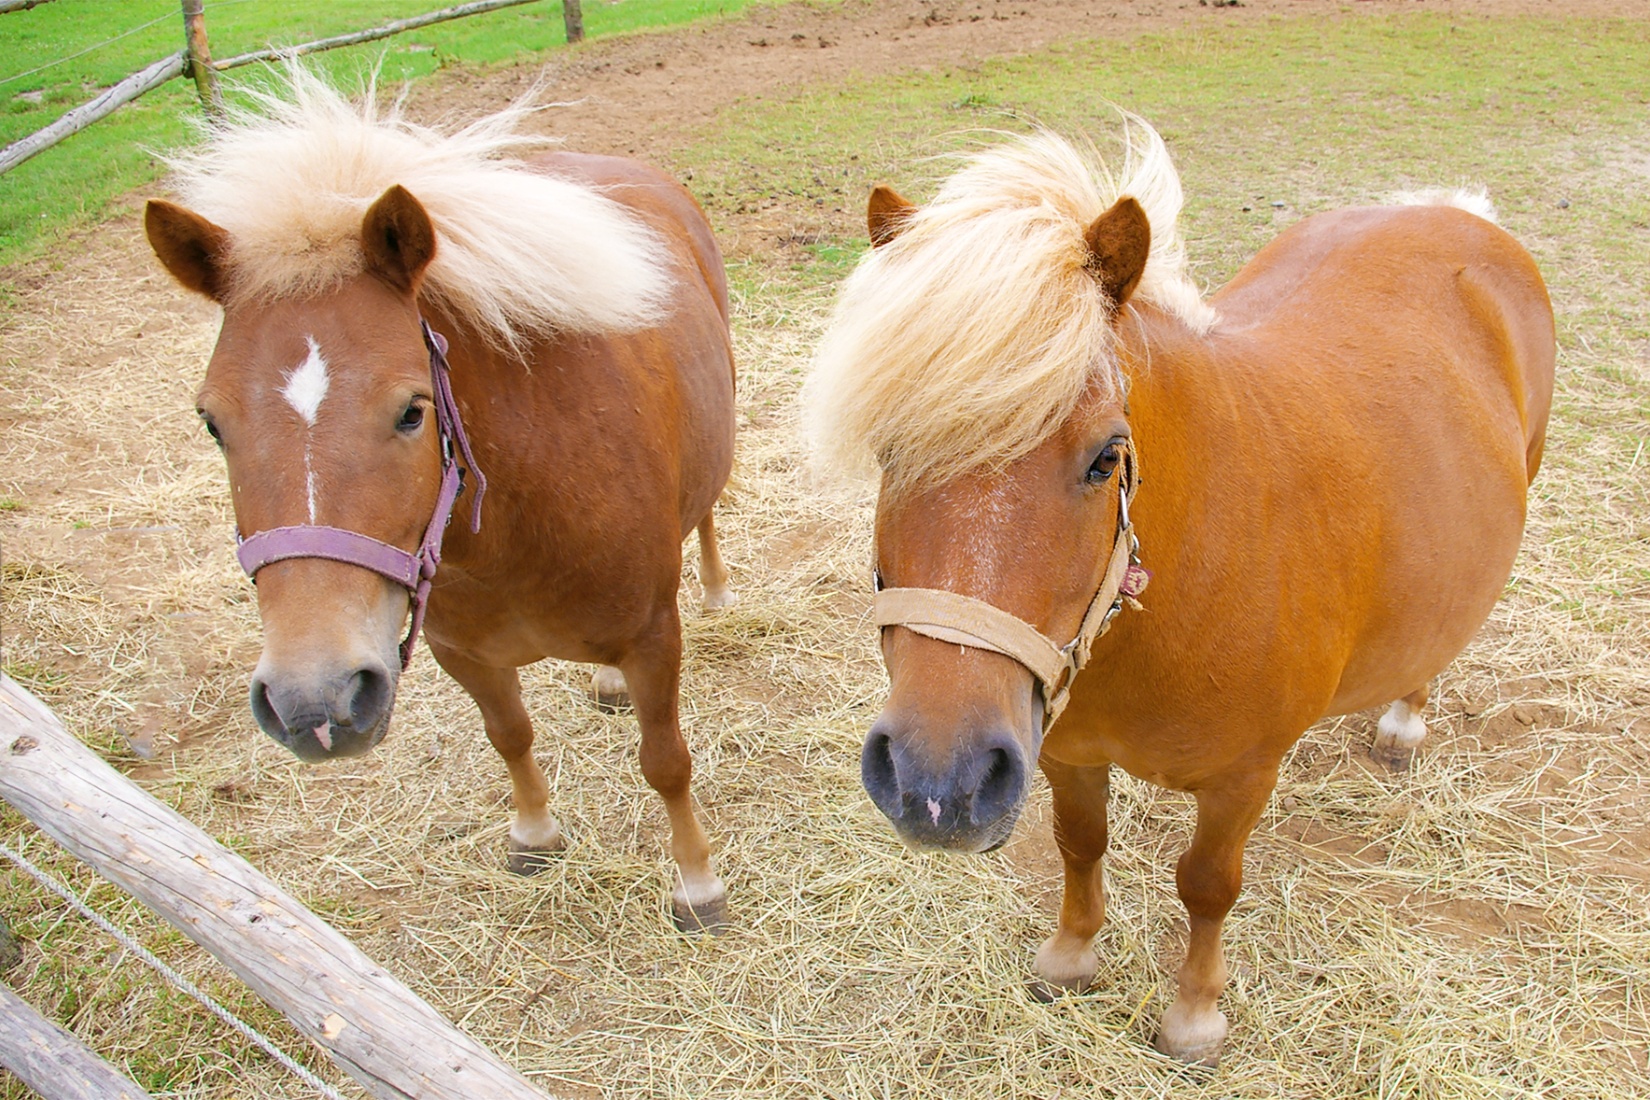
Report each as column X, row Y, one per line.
column 51, row 1061
column 375, row 1028
column 573, row 17
column 199, row 58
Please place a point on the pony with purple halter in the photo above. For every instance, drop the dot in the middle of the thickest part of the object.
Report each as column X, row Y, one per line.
column 586, row 302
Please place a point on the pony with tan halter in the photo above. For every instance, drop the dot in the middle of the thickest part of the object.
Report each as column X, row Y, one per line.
column 1331, row 457
column 586, row 308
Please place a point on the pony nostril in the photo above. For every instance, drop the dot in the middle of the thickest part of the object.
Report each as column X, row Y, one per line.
column 264, row 712
column 369, row 697
column 1002, row 786
column 877, row 772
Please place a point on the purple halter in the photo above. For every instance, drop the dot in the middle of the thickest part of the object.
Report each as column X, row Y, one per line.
column 416, row 571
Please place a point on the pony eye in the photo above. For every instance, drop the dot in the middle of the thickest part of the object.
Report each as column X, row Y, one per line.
column 411, row 418
column 211, row 428
column 1104, row 465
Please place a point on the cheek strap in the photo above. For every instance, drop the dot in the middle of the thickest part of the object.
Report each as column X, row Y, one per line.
column 963, row 620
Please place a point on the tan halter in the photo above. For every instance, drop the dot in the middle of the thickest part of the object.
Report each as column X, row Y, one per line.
column 964, row 620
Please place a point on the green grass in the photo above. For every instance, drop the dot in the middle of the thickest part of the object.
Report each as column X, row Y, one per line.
column 1313, row 113
column 73, row 184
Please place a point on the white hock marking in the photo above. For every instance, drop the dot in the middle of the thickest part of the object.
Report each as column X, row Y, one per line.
column 306, row 384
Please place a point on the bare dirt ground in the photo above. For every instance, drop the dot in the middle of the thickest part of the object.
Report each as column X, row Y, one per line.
column 1520, row 837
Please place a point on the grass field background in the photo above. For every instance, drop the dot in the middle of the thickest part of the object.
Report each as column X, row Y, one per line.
column 62, row 54
column 1477, row 928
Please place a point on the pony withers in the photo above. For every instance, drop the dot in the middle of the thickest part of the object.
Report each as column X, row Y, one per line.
column 415, row 326
column 1321, row 471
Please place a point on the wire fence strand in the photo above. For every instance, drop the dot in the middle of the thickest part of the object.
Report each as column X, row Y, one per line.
column 178, row 981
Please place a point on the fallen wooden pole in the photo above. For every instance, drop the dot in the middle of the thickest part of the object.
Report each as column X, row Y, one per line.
column 51, row 1061
column 73, row 121
column 275, row 53
column 376, row 1029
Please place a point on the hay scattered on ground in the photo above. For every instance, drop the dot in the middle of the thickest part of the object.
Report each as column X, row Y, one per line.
column 1479, row 927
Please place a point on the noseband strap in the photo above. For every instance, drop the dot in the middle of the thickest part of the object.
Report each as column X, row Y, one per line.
column 963, row 620
column 413, row 571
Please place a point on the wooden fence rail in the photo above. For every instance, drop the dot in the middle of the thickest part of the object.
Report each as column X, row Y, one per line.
column 376, row 1029
column 77, row 119
column 195, row 60
column 51, row 1061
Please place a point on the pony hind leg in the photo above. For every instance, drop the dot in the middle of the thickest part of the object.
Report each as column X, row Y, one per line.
column 1065, row 961
column 534, row 834
column 1208, row 877
column 653, row 670
column 713, row 575
column 1400, row 732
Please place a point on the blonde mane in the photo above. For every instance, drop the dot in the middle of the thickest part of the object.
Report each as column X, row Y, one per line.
column 519, row 253
column 965, row 341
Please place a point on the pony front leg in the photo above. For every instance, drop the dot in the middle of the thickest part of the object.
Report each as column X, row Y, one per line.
column 1209, row 876
column 653, row 669
column 534, row 834
column 1065, row 961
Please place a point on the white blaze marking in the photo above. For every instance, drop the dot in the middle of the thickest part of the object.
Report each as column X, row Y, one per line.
column 306, row 385
column 934, row 810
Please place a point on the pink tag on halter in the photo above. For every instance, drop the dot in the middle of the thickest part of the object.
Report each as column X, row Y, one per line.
column 1135, row 579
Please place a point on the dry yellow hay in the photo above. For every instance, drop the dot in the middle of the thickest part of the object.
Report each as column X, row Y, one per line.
column 1478, row 928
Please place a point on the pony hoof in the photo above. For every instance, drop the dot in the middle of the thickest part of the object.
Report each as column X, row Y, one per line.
column 707, row 916
column 1395, row 758
column 1045, row 991
column 1202, row 1057
column 609, row 690
column 528, row 861
column 617, row 703
column 719, row 601
column 1194, row 1039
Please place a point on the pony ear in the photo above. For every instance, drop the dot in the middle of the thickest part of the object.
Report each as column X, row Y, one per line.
column 189, row 246
column 398, row 239
column 886, row 214
column 1119, row 241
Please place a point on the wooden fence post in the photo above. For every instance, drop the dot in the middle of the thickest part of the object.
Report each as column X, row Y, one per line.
column 376, row 1029
column 572, row 16
column 198, row 59
column 51, row 1061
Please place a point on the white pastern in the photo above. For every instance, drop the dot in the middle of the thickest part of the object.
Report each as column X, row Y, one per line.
column 535, row 832
column 1400, row 727
column 306, row 385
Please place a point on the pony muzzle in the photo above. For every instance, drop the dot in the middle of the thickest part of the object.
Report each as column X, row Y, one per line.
column 327, row 715
column 966, row 802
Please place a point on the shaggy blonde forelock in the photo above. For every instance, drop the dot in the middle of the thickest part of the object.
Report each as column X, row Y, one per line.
column 519, row 253
column 969, row 338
